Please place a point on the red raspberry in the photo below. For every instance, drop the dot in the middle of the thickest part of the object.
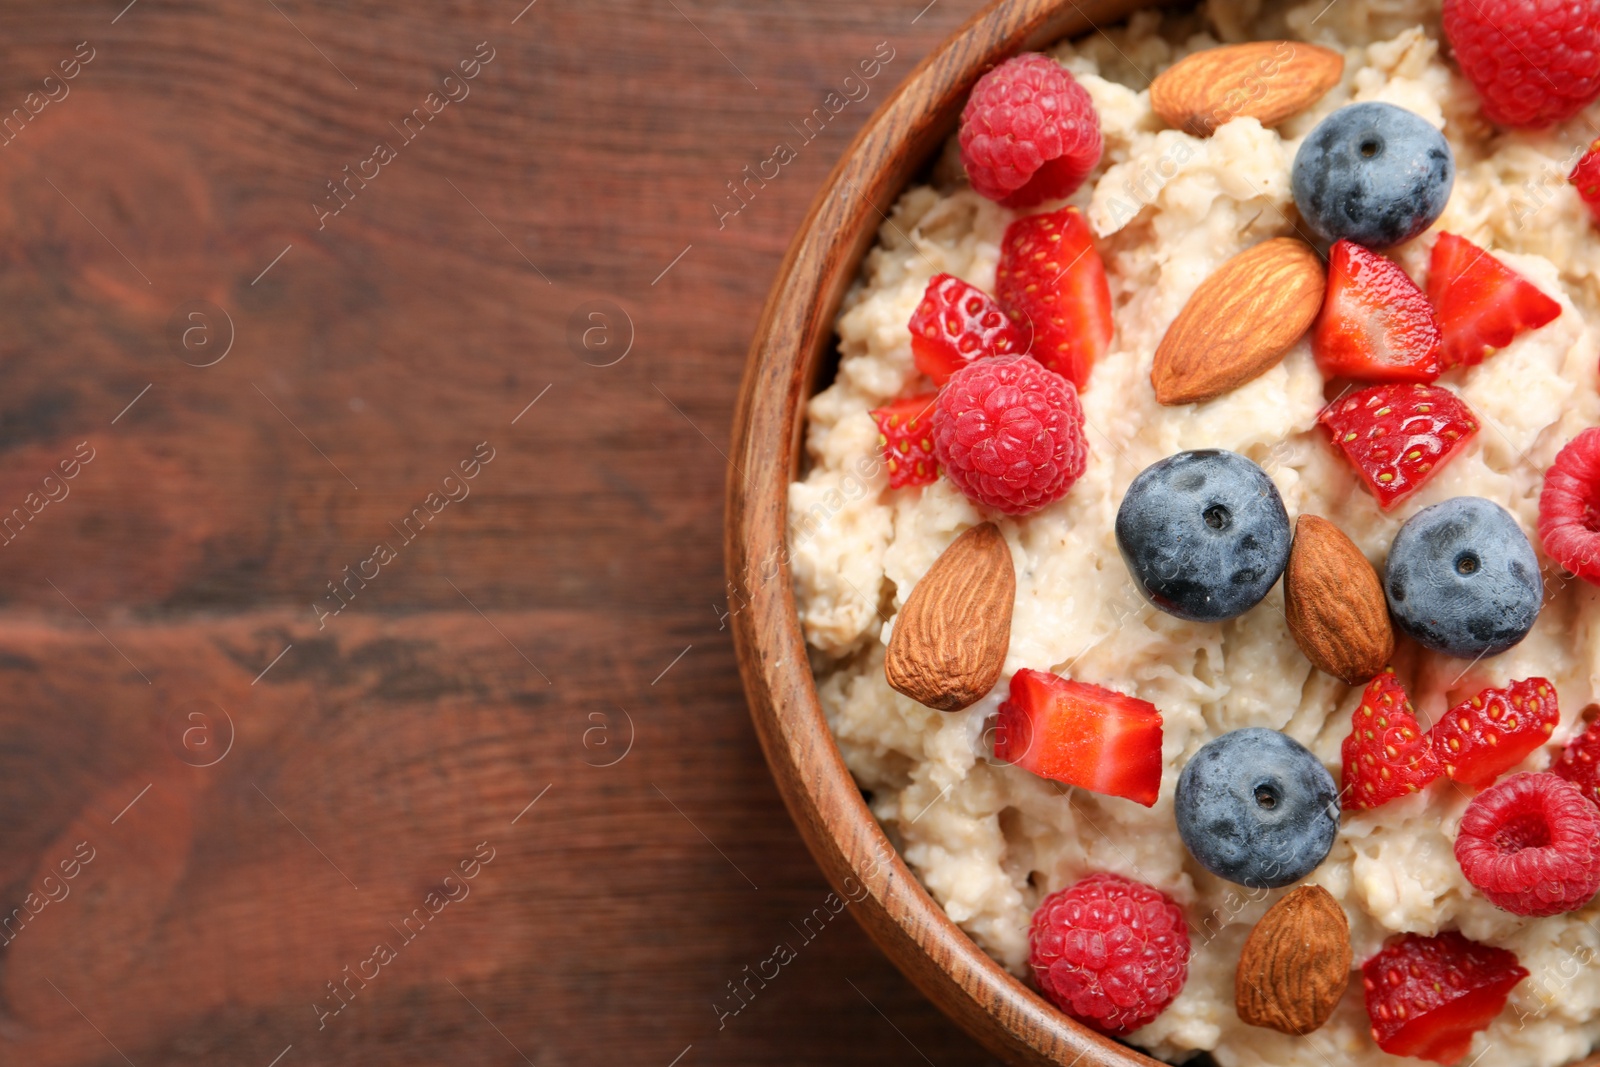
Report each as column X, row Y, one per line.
column 957, row 323
column 1480, row 739
column 905, row 433
column 1029, row 132
column 1427, row 996
column 1009, row 434
column 1534, row 62
column 1569, row 507
column 1531, row 845
column 1386, row 755
column 1579, row 762
column 1398, row 436
column 1586, row 177
column 1109, row 951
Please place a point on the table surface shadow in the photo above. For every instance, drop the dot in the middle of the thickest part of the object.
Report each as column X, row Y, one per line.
column 364, row 394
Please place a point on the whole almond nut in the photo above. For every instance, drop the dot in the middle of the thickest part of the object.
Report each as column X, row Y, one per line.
column 1269, row 81
column 1334, row 603
column 949, row 641
column 1295, row 964
column 1239, row 322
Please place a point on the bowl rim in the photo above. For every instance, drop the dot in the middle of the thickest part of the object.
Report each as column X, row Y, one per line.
column 794, row 337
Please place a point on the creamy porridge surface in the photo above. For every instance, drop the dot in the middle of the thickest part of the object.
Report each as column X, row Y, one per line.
column 989, row 840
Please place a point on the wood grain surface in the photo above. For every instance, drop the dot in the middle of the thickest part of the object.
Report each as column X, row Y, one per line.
column 315, row 750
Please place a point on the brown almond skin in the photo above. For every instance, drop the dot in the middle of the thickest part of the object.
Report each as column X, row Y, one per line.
column 1295, row 964
column 1239, row 322
column 1334, row 603
column 1269, row 81
column 950, row 640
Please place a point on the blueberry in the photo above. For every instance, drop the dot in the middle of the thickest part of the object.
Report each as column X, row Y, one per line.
column 1255, row 807
column 1204, row 534
column 1462, row 578
column 1374, row 173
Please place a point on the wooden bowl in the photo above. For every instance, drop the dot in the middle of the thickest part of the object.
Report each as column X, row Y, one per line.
column 795, row 337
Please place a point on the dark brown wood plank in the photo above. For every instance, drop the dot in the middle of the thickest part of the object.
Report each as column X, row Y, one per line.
column 485, row 664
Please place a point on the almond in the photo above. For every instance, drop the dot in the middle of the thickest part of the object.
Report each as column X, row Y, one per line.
column 950, row 640
column 1265, row 80
column 1240, row 322
column 1334, row 603
column 1295, row 963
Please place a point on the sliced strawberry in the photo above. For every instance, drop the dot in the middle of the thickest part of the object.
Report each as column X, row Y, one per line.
column 1427, row 996
column 1586, row 177
column 1482, row 304
column 905, row 433
column 1480, row 739
column 1398, row 436
column 957, row 323
column 1387, row 754
column 1375, row 325
column 1051, row 277
column 1082, row 735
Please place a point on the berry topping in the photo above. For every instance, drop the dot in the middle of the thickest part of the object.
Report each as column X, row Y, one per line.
column 1579, row 762
column 1081, row 734
column 1375, row 324
column 1398, row 436
column 1255, row 807
column 1531, row 845
column 1481, row 303
column 1050, row 278
column 1203, row 534
column 1109, row 951
column 1585, row 177
column 1427, row 996
column 1569, row 507
column 1374, row 173
column 1009, row 434
column 1029, row 132
column 1462, row 579
column 1534, row 62
column 1480, row 739
column 957, row 323
column 1387, row 755
column 905, row 433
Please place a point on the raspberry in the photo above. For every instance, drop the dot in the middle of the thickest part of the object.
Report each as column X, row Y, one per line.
column 1009, row 434
column 1586, row 178
column 1029, row 132
column 1386, row 755
column 1427, row 996
column 1534, row 62
column 957, row 323
column 1109, row 951
column 1579, row 762
column 1569, row 507
column 1480, row 739
column 1531, row 845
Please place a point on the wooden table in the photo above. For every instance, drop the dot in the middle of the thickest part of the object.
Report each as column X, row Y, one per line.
column 369, row 691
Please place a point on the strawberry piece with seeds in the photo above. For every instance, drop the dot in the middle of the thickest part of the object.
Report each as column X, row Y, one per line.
column 1376, row 325
column 1081, row 734
column 1387, row 754
column 957, row 323
column 1481, row 738
column 1586, row 178
column 1481, row 303
column 1427, row 996
column 1050, row 278
column 905, row 433
column 1398, row 436
column 1569, row 507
